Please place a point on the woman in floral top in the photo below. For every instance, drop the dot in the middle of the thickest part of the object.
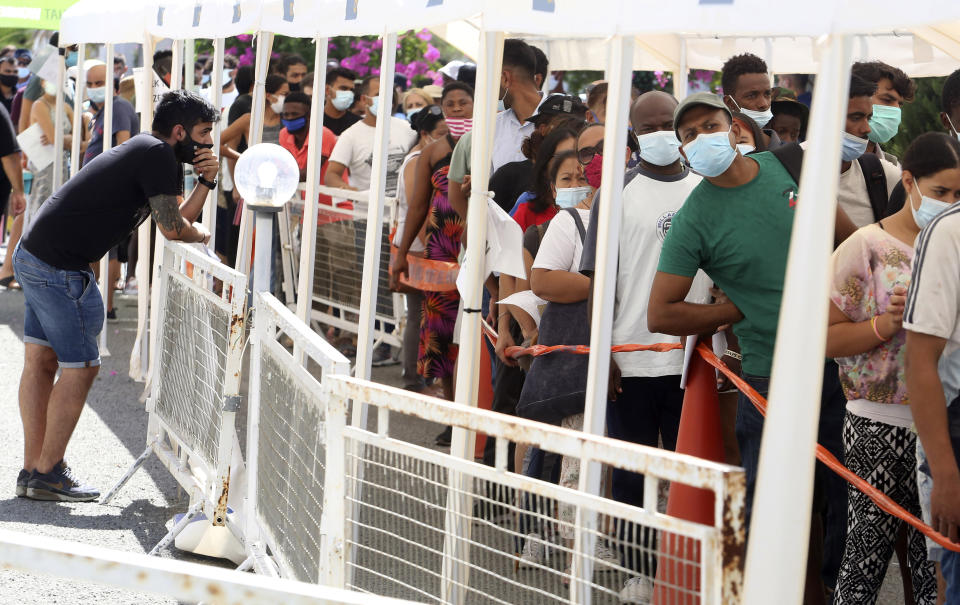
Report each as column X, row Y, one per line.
column 871, row 273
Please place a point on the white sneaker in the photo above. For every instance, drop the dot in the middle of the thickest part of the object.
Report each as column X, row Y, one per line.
column 605, row 556
column 534, row 552
column 131, row 286
column 637, row 590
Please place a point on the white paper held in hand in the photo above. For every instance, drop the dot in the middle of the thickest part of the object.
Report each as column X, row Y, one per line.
column 528, row 301
column 41, row 155
column 504, row 246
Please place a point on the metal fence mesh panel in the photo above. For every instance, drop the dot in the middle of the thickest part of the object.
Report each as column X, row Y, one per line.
column 290, row 471
column 338, row 270
column 397, row 532
column 192, row 365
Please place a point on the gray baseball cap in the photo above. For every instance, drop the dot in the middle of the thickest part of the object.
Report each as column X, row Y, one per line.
column 699, row 98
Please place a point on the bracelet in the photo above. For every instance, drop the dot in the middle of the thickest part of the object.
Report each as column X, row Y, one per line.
column 873, row 324
column 733, row 354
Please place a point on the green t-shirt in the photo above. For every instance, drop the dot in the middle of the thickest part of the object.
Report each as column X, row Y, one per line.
column 460, row 160
column 739, row 236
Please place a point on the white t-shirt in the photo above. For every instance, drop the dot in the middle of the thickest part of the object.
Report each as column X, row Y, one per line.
column 649, row 203
column 933, row 301
column 561, row 248
column 402, row 205
column 354, row 149
column 852, row 191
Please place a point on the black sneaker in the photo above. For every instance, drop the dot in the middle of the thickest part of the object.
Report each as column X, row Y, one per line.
column 59, row 484
column 443, row 439
column 112, row 315
column 22, row 479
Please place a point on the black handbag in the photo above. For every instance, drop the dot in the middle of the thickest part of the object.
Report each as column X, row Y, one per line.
column 556, row 384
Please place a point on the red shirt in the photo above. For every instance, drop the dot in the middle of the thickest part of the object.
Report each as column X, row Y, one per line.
column 526, row 217
column 329, row 140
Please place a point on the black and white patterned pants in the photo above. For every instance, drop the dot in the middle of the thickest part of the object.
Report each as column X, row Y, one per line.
column 885, row 456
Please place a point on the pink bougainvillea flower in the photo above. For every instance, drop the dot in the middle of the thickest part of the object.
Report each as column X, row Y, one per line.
column 432, row 53
column 244, row 37
column 425, row 35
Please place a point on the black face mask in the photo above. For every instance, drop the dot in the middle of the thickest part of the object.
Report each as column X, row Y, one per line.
column 10, row 80
column 186, row 149
column 294, row 86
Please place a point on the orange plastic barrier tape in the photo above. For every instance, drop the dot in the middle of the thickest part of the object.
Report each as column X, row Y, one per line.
column 879, row 498
column 427, row 275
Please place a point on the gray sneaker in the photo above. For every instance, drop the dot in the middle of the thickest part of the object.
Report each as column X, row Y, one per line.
column 60, row 484
column 22, row 479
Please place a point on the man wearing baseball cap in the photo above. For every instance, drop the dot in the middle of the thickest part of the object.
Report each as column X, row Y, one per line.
column 735, row 226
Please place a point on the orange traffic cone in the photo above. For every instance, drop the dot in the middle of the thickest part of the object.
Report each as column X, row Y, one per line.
column 678, row 563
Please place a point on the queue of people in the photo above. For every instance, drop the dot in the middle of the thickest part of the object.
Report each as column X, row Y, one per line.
column 709, row 196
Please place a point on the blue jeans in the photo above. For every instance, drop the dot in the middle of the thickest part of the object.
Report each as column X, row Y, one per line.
column 950, row 567
column 63, row 310
column 830, row 491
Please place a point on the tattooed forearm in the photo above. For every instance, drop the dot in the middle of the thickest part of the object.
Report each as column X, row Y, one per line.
column 166, row 212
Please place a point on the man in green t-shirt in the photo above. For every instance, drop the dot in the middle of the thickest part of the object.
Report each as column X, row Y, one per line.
column 735, row 226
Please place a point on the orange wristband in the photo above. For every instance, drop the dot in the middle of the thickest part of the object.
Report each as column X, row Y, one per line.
column 873, row 324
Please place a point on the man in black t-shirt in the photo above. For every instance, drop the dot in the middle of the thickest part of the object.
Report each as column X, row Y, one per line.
column 75, row 227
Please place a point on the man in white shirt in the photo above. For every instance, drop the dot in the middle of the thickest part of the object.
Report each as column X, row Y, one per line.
column 647, row 406
column 521, row 97
column 354, row 148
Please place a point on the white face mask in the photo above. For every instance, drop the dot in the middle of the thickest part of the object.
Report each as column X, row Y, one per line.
column 745, row 148
column 956, row 132
column 762, row 118
column 928, row 210
column 277, row 106
column 660, row 148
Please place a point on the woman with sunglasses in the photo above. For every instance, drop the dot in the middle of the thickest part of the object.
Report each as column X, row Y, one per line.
column 430, row 206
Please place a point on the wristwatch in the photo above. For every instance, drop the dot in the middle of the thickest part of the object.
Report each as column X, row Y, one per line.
column 208, row 184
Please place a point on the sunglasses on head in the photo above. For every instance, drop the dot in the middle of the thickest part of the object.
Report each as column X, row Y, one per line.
column 585, row 154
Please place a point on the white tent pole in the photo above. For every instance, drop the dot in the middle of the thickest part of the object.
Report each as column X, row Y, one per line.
column 308, row 233
column 146, row 305
column 371, row 256
column 681, row 78
column 189, row 60
column 105, row 284
column 176, row 76
column 605, row 282
column 58, row 137
column 780, row 525
column 81, row 89
column 216, row 86
column 254, row 136
column 484, row 114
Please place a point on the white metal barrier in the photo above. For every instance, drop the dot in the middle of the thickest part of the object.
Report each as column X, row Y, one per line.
column 195, row 393
column 286, row 444
column 187, row 582
column 413, row 522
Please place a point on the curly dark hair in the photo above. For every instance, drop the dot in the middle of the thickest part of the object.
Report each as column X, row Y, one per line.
column 950, row 97
column 874, row 71
column 182, row 107
column 542, row 182
column 531, row 144
column 738, row 65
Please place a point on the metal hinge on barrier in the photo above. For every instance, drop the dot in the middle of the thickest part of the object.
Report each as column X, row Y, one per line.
column 231, row 403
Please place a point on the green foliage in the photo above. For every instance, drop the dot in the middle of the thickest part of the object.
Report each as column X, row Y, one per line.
column 923, row 115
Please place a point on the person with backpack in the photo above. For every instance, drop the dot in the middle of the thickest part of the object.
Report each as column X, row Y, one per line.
column 736, row 227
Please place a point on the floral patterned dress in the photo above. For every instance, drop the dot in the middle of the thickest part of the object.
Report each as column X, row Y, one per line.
column 444, row 229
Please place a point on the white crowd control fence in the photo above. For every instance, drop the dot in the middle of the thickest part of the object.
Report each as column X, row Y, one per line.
column 188, row 582
column 286, row 444
column 195, row 394
column 413, row 522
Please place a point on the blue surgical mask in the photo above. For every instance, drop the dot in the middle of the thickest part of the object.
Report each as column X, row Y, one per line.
column 660, row 148
column 375, row 106
column 23, row 72
column 745, row 148
column 853, row 147
column 568, row 197
column 226, row 77
column 501, row 106
column 71, row 59
column 710, row 154
column 929, row 209
column 342, row 100
column 204, row 79
column 412, row 111
column 295, row 125
column 884, row 123
column 97, row 95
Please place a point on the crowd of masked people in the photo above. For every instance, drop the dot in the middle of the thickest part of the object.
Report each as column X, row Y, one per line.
column 710, row 192
column 709, row 195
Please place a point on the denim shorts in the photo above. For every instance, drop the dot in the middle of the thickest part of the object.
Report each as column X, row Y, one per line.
column 936, row 552
column 63, row 311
